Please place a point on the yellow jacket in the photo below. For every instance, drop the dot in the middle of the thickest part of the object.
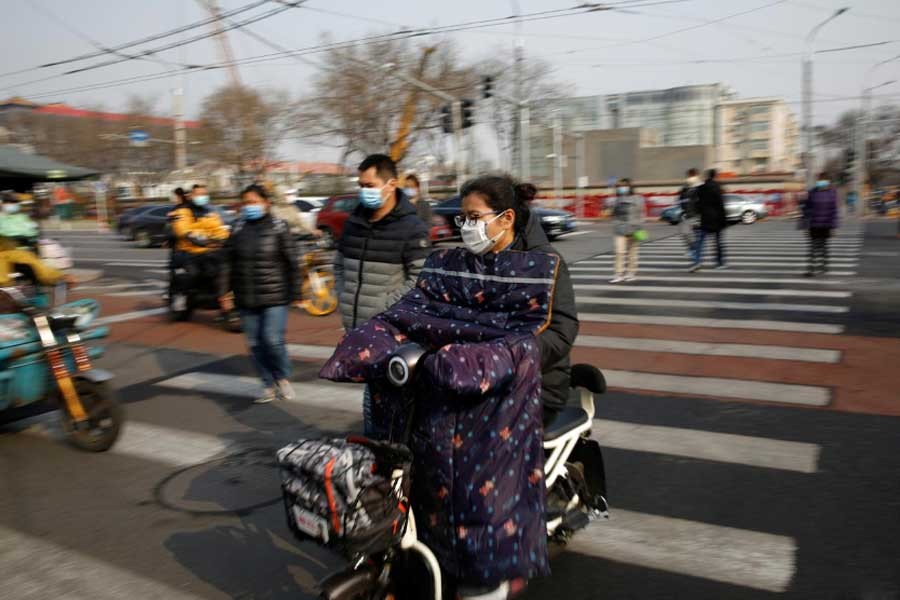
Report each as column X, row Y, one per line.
column 206, row 226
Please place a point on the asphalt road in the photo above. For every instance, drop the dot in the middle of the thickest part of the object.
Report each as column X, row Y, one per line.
column 751, row 437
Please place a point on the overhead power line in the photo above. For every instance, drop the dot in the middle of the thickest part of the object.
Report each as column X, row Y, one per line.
column 159, row 36
column 192, row 40
column 402, row 34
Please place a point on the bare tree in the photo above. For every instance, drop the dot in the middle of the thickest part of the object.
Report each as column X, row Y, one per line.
column 360, row 108
column 242, row 127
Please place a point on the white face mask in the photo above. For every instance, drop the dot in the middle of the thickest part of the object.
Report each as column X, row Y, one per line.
column 475, row 237
column 10, row 208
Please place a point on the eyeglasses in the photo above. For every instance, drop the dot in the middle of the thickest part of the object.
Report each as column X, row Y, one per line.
column 473, row 217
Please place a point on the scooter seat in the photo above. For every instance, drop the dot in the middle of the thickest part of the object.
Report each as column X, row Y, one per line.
column 565, row 421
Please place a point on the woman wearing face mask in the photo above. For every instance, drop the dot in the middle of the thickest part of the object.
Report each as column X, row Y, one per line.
column 820, row 213
column 495, row 218
column 628, row 216
column 262, row 271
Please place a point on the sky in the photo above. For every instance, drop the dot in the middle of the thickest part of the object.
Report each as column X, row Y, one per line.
column 754, row 46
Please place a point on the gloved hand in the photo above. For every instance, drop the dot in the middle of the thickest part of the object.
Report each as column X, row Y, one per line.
column 197, row 239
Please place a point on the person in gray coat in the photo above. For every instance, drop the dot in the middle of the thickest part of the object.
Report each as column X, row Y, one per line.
column 628, row 218
column 380, row 253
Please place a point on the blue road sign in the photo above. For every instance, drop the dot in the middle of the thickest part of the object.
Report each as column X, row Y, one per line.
column 138, row 136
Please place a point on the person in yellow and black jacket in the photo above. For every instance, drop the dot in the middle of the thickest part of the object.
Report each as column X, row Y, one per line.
column 198, row 235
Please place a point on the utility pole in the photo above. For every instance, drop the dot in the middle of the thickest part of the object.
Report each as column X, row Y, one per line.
column 558, row 156
column 459, row 162
column 807, row 96
column 519, row 60
column 580, row 160
column 180, row 131
column 862, row 131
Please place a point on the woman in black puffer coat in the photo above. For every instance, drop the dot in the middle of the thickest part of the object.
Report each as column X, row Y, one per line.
column 262, row 270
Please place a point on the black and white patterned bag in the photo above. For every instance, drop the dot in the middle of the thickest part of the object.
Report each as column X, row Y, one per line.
column 347, row 494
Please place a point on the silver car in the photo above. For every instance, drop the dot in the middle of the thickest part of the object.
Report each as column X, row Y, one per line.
column 743, row 209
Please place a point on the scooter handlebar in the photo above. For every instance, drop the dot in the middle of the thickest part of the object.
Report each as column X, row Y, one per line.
column 403, row 363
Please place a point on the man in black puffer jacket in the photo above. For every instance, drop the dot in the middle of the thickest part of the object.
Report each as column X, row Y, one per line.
column 383, row 247
column 380, row 254
column 262, row 270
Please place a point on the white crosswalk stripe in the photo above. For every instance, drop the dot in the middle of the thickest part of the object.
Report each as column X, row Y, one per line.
column 35, row 569
column 712, row 273
column 710, row 349
column 749, row 559
column 758, row 324
column 728, row 291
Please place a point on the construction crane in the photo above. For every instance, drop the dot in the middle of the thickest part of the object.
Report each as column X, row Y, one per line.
column 225, row 52
column 401, row 143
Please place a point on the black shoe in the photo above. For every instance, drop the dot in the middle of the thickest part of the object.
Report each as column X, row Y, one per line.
column 809, row 274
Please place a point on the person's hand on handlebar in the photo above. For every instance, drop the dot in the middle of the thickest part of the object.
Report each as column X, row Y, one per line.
column 197, row 239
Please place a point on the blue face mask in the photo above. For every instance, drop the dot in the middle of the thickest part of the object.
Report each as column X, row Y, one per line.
column 200, row 200
column 822, row 184
column 622, row 190
column 10, row 208
column 253, row 212
column 371, row 198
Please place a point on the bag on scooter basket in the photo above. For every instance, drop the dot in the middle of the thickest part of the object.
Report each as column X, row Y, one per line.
column 347, row 494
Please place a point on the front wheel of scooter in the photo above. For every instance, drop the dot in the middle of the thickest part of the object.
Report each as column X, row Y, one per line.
column 105, row 418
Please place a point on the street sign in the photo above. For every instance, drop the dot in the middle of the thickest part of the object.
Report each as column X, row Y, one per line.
column 138, row 137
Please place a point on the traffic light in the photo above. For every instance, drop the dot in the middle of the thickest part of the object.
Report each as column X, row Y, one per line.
column 487, row 87
column 447, row 118
column 468, row 113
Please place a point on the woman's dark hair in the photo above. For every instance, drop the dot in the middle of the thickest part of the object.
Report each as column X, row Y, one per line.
column 180, row 194
column 257, row 189
column 502, row 193
column 410, row 178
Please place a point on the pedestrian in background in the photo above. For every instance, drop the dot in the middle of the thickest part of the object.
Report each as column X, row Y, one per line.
column 711, row 208
column 687, row 200
column 413, row 191
column 262, row 271
column 628, row 219
column 820, row 215
column 380, row 254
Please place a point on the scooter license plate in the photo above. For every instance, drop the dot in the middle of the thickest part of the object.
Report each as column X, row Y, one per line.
column 310, row 524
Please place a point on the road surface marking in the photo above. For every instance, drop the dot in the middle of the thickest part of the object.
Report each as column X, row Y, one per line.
column 131, row 316
column 768, row 306
column 310, row 351
column 688, row 443
column 754, row 254
column 730, row 389
column 712, row 323
column 120, row 262
column 710, row 349
column 685, row 262
column 603, row 287
column 723, row 279
column 35, row 568
column 740, row 557
column 800, row 457
column 708, row 271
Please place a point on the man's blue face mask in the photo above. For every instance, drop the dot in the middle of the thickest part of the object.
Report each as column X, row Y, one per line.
column 371, row 198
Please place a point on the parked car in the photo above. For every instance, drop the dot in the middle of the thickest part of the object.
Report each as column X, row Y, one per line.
column 738, row 209
column 554, row 222
column 150, row 227
column 331, row 218
column 125, row 220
